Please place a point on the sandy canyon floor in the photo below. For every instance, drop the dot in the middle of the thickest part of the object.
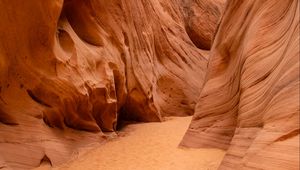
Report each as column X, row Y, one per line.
column 147, row 146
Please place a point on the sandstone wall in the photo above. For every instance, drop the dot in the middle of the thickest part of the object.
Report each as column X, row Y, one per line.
column 70, row 69
column 250, row 101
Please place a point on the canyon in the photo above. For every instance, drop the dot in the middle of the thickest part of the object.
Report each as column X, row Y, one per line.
column 71, row 71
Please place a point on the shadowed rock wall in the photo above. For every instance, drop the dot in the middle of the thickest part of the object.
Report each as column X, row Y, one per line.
column 69, row 69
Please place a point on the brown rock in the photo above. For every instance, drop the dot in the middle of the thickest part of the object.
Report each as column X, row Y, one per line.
column 77, row 65
column 201, row 19
column 250, row 102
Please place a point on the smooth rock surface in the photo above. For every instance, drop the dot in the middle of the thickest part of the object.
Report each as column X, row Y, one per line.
column 69, row 69
column 249, row 105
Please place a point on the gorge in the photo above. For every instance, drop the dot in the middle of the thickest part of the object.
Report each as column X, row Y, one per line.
column 72, row 70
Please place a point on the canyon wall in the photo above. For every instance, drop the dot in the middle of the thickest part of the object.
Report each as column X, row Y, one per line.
column 249, row 104
column 69, row 70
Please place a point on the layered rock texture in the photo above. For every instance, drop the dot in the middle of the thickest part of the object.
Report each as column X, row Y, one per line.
column 69, row 70
column 250, row 101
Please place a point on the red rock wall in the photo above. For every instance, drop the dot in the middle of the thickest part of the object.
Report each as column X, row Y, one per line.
column 68, row 68
column 250, row 101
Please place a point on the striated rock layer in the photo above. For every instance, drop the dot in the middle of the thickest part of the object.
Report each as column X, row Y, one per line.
column 250, row 101
column 69, row 69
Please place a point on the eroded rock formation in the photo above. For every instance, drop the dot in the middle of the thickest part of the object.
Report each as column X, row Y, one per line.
column 250, row 101
column 69, row 69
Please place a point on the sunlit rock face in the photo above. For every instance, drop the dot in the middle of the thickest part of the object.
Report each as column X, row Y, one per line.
column 70, row 69
column 250, row 101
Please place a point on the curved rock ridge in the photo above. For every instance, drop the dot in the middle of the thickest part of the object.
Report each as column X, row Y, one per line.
column 249, row 104
column 69, row 68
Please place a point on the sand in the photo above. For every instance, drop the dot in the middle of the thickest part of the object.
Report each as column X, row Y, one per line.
column 147, row 146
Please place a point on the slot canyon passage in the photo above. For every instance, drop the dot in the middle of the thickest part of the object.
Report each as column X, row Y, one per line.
column 149, row 84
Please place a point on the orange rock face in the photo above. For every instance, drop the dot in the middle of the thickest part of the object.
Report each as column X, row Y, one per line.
column 250, row 101
column 69, row 68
